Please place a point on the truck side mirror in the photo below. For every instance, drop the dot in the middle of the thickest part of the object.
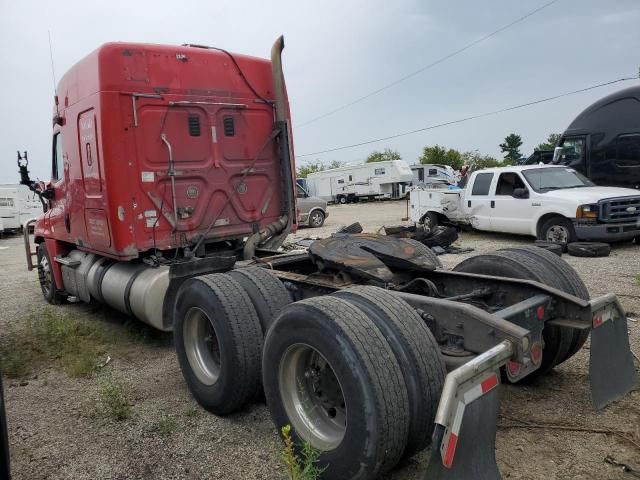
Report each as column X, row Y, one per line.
column 557, row 153
column 520, row 193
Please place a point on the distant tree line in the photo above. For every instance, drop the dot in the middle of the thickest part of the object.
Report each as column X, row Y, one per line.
column 441, row 155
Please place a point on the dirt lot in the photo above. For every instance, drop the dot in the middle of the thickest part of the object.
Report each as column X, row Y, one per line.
column 59, row 430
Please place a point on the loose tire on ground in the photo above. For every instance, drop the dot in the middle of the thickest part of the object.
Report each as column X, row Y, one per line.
column 516, row 264
column 555, row 248
column 267, row 293
column 589, row 249
column 329, row 373
column 50, row 290
column 440, row 237
column 417, row 353
column 218, row 342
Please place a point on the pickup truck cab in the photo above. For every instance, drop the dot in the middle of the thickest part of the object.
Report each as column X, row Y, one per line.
column 553, row 203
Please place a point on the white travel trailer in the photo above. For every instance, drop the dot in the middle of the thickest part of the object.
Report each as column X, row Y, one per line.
column 369, row 180
column 432, row 175
column 17, row 205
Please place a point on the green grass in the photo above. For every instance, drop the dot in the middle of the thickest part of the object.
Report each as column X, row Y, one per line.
column 191, row 412
column 53, row 336
column 114, row 400
column 638, row 279
column 302, row 465
column 165, row 427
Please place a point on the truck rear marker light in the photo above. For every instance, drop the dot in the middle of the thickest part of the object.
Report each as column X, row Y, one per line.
column 540, row 312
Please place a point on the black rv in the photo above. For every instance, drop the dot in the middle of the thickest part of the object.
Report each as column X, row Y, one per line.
column 603, row 142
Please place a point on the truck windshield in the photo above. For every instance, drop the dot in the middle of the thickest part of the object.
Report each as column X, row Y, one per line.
column 546, row 179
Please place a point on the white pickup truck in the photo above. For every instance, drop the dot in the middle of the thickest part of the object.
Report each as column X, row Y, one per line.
column 552, row 203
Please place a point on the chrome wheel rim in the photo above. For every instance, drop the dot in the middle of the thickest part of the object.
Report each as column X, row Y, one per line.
column 44, row 270
column 201, row 346
column 316, row 219
column 558, row 233
column 312, row 397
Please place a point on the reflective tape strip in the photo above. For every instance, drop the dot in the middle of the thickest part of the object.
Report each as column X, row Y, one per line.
column 452, row 436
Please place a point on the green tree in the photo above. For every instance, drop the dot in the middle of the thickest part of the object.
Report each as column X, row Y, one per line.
column 384, row 156
column 550, row 144
column 477, row 161
column 511, row 147
column 441, row 156
column 303, row 170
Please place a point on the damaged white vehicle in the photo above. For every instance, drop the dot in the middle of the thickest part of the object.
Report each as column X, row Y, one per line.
column 552, row 203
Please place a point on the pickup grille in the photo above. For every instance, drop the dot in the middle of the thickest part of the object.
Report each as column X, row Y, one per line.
column 618, row 210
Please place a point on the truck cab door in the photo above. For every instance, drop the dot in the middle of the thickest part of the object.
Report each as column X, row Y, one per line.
column 478, row 201
column 512, row 210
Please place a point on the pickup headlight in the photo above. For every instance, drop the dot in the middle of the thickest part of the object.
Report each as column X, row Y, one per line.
column 587, row 211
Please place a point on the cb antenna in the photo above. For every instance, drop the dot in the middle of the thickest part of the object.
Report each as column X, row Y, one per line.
column 53, row 74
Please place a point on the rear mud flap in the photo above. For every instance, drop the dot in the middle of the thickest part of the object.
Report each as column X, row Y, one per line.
column 464, row 439
column 611, row 370
column 470, row 455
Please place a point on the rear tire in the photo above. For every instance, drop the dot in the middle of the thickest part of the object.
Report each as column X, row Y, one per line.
column 512, row 263
column 342, row 200
column 564, row 278
column 50, row 290
column 329, row 373
column 316, row 219
column 415, row 349
column 555, row 248
column 430, row 220
column 218, row 342
column 267, row 293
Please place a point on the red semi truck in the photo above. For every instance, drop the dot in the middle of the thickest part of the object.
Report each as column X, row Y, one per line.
column 173, row 188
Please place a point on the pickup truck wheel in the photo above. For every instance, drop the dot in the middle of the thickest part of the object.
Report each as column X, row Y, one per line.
column 329, row 373
column 430, row 220
column 50, row 290
column 316, row 219
column 558, row 230
column 514, row 264
column 417, row 352
column 218, row 342
column 267, row 293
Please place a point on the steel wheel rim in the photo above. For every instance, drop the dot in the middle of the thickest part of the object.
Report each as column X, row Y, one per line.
column 45, row 275
column 312, row 397
column 316, row 219
column 201, row 346
column 558, row 233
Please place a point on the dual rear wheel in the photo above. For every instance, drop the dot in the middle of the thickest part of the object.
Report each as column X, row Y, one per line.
column 357, row 374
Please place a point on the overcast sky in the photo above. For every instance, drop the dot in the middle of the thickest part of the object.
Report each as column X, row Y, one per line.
column 336, row 51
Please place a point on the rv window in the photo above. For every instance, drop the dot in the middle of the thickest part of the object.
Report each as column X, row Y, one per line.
column 629, row 151
column 433, row 172
column 421, row 174
column 6, row 202
column 482, row 183
column 350, row 178
column 58, row 160
column 379, row 171
column 340, row 181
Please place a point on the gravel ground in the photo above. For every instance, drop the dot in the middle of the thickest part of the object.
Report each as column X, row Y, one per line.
column 57, row 432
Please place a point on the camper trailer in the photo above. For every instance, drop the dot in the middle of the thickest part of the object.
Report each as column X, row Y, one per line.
column 17, row 205
column 432, row 175
column 376, row 180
